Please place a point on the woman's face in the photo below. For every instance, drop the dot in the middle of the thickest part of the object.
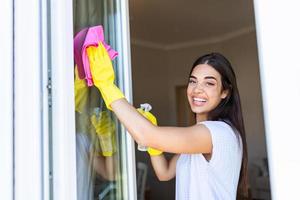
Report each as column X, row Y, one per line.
column 204, row 90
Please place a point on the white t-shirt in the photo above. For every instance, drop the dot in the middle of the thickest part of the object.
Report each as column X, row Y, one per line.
column 199, row 179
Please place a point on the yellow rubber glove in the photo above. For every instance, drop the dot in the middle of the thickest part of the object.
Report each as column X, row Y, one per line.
column 105, row 129
column 103, row 74
column 81, row 92
column 152, row 119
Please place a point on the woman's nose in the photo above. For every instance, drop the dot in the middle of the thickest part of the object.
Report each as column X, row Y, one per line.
column 198, row 88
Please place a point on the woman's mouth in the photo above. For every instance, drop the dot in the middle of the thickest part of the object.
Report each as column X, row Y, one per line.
column 199, row 101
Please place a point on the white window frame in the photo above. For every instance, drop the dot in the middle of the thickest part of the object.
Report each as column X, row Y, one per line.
column 63, row 114
column 6, row 96
column 278, row 36
column 28, row 101
column 63, row 106
column 128, row 153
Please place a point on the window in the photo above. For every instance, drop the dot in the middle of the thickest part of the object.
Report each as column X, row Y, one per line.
column 98, row 134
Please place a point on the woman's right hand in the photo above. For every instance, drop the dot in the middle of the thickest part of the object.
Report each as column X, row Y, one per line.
column 103, row 74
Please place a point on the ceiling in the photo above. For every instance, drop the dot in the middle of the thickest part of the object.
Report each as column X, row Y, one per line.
column 169, row 22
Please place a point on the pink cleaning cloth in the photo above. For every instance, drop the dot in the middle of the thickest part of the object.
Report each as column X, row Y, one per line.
column 78, row 43
column 84, row 39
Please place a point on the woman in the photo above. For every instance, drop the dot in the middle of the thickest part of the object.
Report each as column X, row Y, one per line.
column 211, row 156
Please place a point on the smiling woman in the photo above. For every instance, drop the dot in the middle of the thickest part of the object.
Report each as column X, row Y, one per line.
column 219, row 93
column 204, row 90
column 216, row 142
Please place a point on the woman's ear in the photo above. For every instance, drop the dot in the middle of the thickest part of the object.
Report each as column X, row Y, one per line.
column 224, row 94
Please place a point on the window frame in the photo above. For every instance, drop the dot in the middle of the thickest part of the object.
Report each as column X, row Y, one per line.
column 278, row 46
column 63, row 108
column 6, row 95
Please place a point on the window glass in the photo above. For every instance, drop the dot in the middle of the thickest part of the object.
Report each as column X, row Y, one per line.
column 97, row 144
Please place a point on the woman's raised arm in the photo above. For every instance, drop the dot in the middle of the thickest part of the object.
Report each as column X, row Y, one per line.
column 193, row 139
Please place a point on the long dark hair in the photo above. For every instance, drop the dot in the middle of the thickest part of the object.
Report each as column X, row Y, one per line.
column 229, row 109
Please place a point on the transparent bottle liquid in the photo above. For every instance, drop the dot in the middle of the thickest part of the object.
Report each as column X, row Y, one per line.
column 145, row 107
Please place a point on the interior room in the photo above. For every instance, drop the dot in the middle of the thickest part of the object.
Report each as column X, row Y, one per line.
column 166, row 37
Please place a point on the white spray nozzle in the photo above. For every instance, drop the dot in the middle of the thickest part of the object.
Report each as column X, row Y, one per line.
column 146, row 107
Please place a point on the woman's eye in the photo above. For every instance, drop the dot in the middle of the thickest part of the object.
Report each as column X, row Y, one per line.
column 210, row 84
column 192, row 81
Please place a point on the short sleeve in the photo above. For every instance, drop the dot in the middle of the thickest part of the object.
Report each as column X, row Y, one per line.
column 224, row 141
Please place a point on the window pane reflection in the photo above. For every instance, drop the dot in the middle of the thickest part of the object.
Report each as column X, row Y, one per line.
column 98, row 161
